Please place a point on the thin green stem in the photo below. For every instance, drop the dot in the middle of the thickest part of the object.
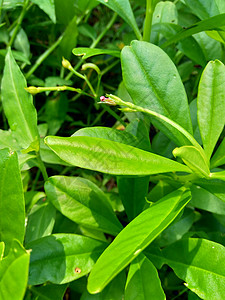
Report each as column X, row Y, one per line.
column 95, row 43
column 113, row 100
column 40, row 60
column 19, row 22
column 42, row 167
column 148, row 20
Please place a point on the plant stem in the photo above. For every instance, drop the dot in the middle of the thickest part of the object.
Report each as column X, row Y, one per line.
column 118, row 101
column 42, row 167
column 40, row 60
column 148, row 20
column 95, row 43
column 19, row 22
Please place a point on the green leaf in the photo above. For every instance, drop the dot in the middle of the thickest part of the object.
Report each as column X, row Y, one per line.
column 41, row 220
column 2, row 248
column 109, row 134
column 132, row 192
column 135, row 237
column 206, row 8
column 18, row 105
column 211, row 105
column 194, row 159
column 218, row 158
column 189, row 46
column 22, row 43
column 177, row 229
column 49, row 291
column 61, row 258
column 48, row 7
column 138, row 286
column 69, row 40
column 200, row 263
column 12, row 205
column 213, row 23
column 205, row 200
column 110, row 157
column 214, row 186
column 143, row 65
column 83, row 202
column 88, row 52
column 113, row 291
column 14, row 273
column 123, row 9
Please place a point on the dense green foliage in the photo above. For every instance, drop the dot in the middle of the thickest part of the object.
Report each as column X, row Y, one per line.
column 112, row 149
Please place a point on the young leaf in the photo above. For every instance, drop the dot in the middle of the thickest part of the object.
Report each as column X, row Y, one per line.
column 88, row 52
column 41, row 220
column 14, row 273
column 61, row 258
column 153, row 82
column 194, row 159
column 110, row 157
column 123, row 8
column 83, row 202
column 205, row 8
column 48, row 7
column 18, row 106
column 200, row 263
column 12, row 205
column 211, row 105
column 135, row 237
column 138, row 285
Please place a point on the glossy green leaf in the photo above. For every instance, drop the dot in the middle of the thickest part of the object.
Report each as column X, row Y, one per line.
column 61, row 258
column 14, row 273
column 12, row 205
column 41, row 220
column 114, row 290
column 2, row 248
column 177, row 229
column 48, row 156
column 213, row 23
column 200, row 263
column 143, row 65
column 135, row 237
column 206, row 8
column 205, row 200
column 48, row 7
column 109, row 134
column 83, row 202
column 214, row 186
column 88, row 52
column 218, row 158
column 110, row 157
column 211, row 105
column 132, row 190
column 194, row 159
column 18, row 106
column 123, row 8
column 165, row 12
column 188, row 46
column 218, row 175
column 143, row 282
